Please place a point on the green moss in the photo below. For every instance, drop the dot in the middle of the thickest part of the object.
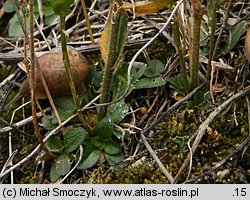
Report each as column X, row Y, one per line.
column 157, row 50
column 4, row 72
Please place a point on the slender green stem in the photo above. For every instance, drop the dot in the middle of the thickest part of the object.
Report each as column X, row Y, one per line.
column 212, row 38
column 66, row 59
column 68, row 71
column 181, row 55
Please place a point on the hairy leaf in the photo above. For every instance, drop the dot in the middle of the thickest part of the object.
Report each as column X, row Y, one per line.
column 90, row 161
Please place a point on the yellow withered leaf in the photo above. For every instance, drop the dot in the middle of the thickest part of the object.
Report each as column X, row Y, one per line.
column 104, row 41
column 146, row 6
column 118, row 38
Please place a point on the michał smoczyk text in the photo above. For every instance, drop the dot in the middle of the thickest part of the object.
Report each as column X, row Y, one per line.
column 26, row 192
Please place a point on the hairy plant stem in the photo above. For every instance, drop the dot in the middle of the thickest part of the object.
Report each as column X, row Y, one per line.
column 113, row 55
column 195, row 44
column 69, row 73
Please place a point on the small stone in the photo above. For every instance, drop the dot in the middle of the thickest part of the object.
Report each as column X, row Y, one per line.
column 139, row 162
column 223, row 174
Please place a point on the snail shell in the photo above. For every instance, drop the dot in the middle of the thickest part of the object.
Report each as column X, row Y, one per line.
column 54, row 72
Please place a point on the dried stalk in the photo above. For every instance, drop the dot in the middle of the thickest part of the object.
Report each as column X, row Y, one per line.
column 32, row 83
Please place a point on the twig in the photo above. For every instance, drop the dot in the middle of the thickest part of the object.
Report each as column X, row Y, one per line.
column 85, row 12
column 157, row 160
column 8, row 163
column 91, row 49
column 15, row 128
column 21, row 123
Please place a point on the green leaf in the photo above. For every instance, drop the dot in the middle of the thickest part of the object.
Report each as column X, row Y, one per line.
column 64, row 103
column 53, row 174
column 15, row 28
column 62, row 7
column 54, row 144
column 113, row 159
column 181, row 83
column 62, row 164
column 47, row 8
column 98, row 142
column 65, row 108
column 8, row 6
column 89, row 148
column 141, row 70
column 73, row 138
column 63, row 114
column 122, row 33
column 181, row 142
column 173, row 82
column 204, row 39
column 223, row 48
column 50, row 19
column 220, row 1
column 120, row 80
column 104, row 128
column 121, row 135
column 90, row 161
column 48, row 12
column 236, row 34
column 118, row 111
column 210, row 13
column 155, row 67
column 92, row 75
column 150, row 82
column 180, row 80
column 48, row 122
column 112, row 148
